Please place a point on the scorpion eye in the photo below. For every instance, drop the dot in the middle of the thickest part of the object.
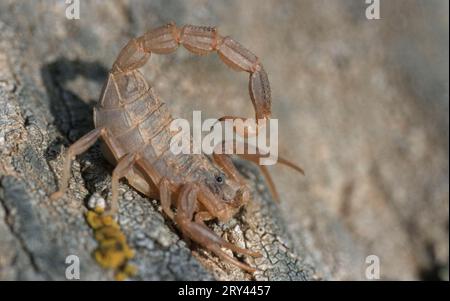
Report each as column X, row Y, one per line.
column 219, row 179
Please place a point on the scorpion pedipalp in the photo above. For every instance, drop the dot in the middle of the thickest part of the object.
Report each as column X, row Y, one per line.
column 200, row 233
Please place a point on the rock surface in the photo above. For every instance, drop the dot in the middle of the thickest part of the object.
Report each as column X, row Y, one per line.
column 363, row 107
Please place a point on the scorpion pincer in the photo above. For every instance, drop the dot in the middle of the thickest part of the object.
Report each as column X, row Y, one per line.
column 133, row 125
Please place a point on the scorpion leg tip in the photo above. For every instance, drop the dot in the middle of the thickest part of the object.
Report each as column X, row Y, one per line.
column 56, row 195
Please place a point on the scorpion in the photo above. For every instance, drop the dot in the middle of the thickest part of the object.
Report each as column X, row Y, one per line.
column 133, row 126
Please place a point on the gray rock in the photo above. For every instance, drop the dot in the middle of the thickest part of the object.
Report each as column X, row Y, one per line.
column 38, row 235
column 362, row 105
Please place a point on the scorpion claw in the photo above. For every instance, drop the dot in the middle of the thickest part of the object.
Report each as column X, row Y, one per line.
column 220, row 253
column 200, row 233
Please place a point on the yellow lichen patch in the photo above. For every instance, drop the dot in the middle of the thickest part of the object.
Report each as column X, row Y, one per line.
column 113, row 251
column 127, row 271
column 93, row 219
column 99, row 209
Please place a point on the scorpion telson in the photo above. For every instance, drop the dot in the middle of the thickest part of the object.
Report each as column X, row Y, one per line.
column 133, row 125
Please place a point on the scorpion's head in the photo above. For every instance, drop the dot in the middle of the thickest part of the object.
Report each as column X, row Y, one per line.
column 224, row 193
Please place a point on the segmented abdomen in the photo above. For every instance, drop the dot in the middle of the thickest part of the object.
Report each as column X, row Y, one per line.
column 137, row 121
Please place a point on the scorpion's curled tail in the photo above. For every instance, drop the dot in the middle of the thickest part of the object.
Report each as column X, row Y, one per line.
column 200, row 40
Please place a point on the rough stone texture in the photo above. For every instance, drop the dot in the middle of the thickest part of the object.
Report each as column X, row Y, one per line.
column 363, row 107
column 39, row 234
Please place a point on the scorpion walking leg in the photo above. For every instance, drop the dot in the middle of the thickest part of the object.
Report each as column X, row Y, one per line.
column 124, row 165
column 199, row 232
column 75, row 149
column 203, row 216
column 162, row 184
column 224, row 161
column 166, row 197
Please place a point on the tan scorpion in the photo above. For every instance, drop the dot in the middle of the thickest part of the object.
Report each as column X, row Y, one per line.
column 133, row 125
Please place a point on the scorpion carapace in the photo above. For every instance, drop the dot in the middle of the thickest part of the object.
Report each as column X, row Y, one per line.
column 133, row 125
